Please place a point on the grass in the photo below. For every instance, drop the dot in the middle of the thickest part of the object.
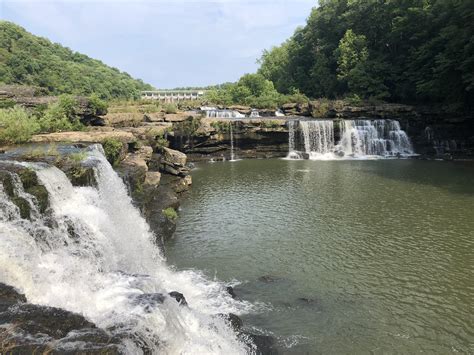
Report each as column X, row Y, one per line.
column 170, row 213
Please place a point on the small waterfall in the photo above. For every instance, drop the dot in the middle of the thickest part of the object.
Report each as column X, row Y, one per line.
column 358, row 139
column 292, row 152
column 223, row 114
column 232, row 155
column 254, row 114
column 93, row 253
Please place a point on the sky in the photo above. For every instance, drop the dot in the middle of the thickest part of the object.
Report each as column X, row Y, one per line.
column 166, row 43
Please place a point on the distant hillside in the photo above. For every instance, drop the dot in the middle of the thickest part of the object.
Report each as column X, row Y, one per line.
column 27, row 59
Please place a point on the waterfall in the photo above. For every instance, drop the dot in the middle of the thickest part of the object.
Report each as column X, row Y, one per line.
column 317, row 138
column 373, row 138
column 254, row 114
column 292, row 152
column 358, row 139
column 93, row 253
column 232, row 155
column 223, row 114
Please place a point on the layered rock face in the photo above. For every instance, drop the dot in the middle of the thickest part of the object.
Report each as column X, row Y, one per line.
column 264, row 137
column 435, row 133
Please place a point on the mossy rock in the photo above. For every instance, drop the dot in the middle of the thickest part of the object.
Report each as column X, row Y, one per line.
column 24, row 206
column 31, row 185
column 7, row 182
column 41, row 195
column 28, row 178
column 81, row 176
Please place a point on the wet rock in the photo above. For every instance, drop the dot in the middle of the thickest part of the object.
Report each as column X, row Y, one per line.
column 265, row 344
column 179, row 297
column 9, row 296
column 149, row 301
column 234, row 321
column 183, row 184
column 230, row 291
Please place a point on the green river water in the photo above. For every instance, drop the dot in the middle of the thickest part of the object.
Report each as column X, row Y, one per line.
column 339, row 257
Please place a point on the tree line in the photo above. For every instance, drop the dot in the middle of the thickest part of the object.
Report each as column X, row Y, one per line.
column 408, row 51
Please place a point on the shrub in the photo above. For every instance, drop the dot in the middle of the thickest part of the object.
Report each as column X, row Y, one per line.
column 61, row 116
column 170, row 108
column 17, row 125
column 320, row 108
column 97, row 106
column 113, row 149
column 354, row 100
column 170, row 213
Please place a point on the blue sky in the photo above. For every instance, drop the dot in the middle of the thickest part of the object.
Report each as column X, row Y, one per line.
column 166, row 43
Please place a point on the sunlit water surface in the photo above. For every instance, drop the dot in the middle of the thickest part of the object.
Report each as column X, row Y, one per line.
column 356, row 256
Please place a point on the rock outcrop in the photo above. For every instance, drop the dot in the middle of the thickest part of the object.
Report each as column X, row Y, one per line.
column 91, row 136
column 174, row 162
column 27, row 328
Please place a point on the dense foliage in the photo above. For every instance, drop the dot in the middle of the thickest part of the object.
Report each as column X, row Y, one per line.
column 17, row 125
column 30, row 60
column 252, row 90
column 398, row 50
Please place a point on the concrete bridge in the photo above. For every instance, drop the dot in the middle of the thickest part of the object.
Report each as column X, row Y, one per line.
column 172, row 95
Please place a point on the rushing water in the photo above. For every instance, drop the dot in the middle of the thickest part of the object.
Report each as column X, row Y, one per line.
column 93, row 254
column 357, row 139
column 340, row 257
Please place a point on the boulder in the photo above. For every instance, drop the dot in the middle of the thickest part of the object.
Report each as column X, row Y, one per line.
column 179, row 297
column 174, row 162
column 183, row 184
column 152, row 179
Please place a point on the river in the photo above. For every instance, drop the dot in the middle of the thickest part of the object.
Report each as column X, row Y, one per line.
column 339, row 256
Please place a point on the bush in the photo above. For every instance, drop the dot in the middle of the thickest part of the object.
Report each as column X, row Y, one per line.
column 17, row 125
column 320, row 108
column 170, row 108
column 113, row 149
column 97, row 106
column 61, row 116
column 170, row 213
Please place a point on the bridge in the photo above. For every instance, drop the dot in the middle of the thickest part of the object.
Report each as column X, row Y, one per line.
column 172, row 95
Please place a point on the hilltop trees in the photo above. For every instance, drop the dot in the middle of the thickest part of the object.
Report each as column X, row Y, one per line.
column 400, row 50
column 30, row 60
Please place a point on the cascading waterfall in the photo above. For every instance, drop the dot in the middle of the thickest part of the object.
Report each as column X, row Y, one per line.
column 223, row 114
column 373, row 138
column 92, row 253
column 358, row 139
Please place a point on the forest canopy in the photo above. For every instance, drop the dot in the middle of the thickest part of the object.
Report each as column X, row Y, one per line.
column 26, row 59
column 396, row 50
